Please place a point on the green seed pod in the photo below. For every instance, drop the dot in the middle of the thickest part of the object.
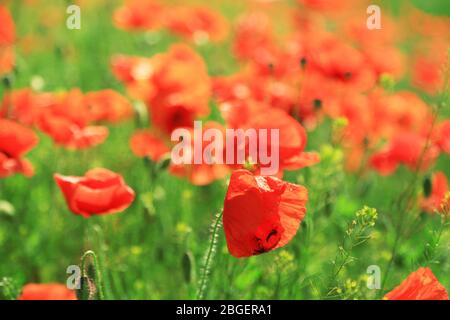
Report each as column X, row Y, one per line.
column 303, row 62
column 317, row 103
column 164, row 163
column 188, row 266
column 8, row 81
column 427, row 186
column 83, row 293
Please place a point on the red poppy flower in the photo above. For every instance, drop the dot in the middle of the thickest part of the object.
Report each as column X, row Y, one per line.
column 253, row 38
column 439, row 187
column 15, row 141
column 183, row 89
column 99, row 191
column 443, row 136
column 108, row 105
column 405, row 148
column 19, row 106
column 376, row 57
column 280, row 94
column 147, row 144
column 255, row 43
column 129, row 68
column 325, row 5
column 69, row 134
column 71, row 106
column 207, row 171
column 48, row 291
column 175, row 85
column 420, row 285
column 136, row 73
column 7, row 38
column 427, row 74
column 139, row 15
column 261, row 213
column 356, row 29
column 7, row 60
column 7, row 27
column 398, row 112
column 317, row 95
column 340, row 62
column 292, row 136
column 196, row 23
column 25, row 106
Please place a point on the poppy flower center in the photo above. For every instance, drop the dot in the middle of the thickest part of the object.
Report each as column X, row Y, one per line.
column 266, row 238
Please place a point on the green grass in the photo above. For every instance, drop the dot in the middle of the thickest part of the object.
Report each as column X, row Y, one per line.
column 143, row 251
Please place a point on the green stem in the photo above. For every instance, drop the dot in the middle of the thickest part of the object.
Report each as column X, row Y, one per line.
column 408, row 193
column 209, row 257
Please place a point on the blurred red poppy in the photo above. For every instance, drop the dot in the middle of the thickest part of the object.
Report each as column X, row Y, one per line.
column 376, row 58
column 261, row 213
column 439, row 188
column 203, row 173
column 183, row 89
column 443, row 136
column 70, row 105
column 19, row 105
column 427, row 73
column 325, row 5
column 340, row 62
column 253, row 38
column 7, row 27
column 108, row 105
column 7, row 38
column 405, row 148
column 7, row 60
column 47, row 291
column 175, row 85
column 139, row 15
column 420, row 285
column 99, row 191
column 196, row 23
column 146, row 144
column 70, row 135
column 15, row 141
column 66, row 119
column 292, row 136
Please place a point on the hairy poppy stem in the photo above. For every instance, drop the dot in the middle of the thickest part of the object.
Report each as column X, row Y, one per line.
column 97, row 274
column 206, row 270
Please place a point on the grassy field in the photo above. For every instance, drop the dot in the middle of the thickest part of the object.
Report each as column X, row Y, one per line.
column 155, row 248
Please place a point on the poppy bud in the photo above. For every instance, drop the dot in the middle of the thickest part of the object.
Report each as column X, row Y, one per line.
column 7, row 81
column 303, row 62
column 188, row 267
column 317, row 103
column 427, row 186
column 91, row 287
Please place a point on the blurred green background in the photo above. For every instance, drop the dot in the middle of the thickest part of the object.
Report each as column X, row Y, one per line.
column 154, row 249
